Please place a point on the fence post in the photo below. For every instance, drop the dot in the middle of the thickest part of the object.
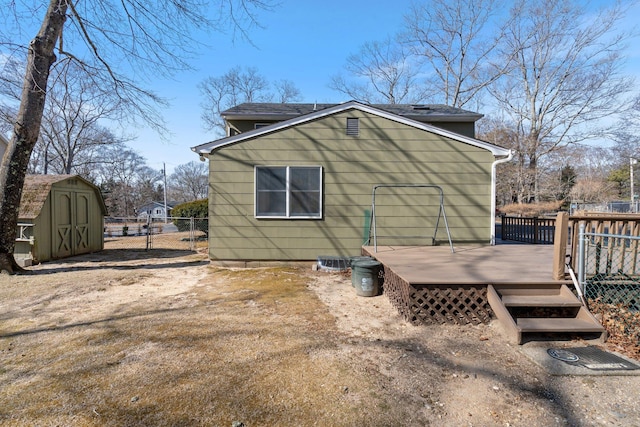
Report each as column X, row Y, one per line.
column 148, row 232
column 504, row 227
column 560, row 241
column 581, row 259
column 192, row 234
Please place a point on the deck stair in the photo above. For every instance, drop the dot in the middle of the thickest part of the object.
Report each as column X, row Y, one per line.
column 540, row 310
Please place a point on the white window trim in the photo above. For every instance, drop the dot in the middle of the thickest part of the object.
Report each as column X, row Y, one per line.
column 288, row 193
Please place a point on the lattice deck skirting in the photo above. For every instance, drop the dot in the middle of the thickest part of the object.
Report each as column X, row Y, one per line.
column 428, row 304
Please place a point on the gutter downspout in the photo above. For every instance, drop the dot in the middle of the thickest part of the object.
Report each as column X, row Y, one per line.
column 204, row 156
column 492, row 228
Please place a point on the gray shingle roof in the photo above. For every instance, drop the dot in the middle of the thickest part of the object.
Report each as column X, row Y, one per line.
column 279, row 111
column 283, row 123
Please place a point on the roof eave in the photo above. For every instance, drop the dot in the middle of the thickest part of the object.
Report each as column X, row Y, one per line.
column 258, row 116
column 449, row 118
column 209, row 147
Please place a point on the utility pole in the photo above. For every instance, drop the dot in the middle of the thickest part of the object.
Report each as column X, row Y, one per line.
column 632, row 162
column 164, row 173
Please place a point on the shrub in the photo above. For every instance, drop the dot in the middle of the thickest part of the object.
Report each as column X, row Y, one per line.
column 530, row 209
column 198, row 209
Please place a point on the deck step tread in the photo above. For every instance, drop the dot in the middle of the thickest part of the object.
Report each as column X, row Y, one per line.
column 557, row 324
column 540, row 301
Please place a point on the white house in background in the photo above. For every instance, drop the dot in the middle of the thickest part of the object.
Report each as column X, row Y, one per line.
column 155, row 210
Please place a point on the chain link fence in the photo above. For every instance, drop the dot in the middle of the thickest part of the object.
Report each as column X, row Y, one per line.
column 611, row 207
column 189, row 234
column 609, row 275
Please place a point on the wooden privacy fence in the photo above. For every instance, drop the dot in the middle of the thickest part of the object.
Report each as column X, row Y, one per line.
column 539, row 231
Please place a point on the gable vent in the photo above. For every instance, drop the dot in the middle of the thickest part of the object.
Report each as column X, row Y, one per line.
column 353, row 126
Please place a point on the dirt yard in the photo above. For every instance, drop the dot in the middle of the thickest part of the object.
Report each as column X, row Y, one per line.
column 118, row 338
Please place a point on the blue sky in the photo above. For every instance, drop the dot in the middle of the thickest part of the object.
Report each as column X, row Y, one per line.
column 302, row 41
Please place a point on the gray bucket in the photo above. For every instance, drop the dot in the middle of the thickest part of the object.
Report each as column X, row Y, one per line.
column 353, row 260
column 365, row 277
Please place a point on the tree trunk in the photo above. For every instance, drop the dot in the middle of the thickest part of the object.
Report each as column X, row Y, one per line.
column 27, row 128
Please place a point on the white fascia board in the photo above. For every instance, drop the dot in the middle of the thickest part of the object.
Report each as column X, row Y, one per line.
column 208, row 147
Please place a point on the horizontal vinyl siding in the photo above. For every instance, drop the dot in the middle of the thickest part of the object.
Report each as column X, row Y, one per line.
column 463, row 128
column 385, row 152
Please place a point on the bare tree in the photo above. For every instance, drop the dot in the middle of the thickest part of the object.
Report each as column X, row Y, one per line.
column 591, row 189
column 11, row 76
column 381, row 72
column 565, row 78
column 458, row 41
column 188, row 182
column 118, row 43
column 286, row 91
column 626, row 133
column 232, row 88
column 509, row 175
column 71, row 133
column 236, row 86
column 593, row 165
column 126, row 180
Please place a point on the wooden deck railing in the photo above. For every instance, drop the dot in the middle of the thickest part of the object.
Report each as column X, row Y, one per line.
column 539, row 231
column 568, row 229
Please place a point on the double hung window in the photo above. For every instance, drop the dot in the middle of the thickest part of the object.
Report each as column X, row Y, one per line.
column 288, row 192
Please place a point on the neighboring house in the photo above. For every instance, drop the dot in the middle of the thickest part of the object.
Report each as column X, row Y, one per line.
column 60, row 216
column 295, row 181
column 155, row 210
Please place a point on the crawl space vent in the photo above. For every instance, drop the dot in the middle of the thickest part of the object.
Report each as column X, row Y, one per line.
column 333, row 263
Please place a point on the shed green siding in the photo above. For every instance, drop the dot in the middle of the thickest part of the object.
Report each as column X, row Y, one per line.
column 68, row 221
column 384, row 152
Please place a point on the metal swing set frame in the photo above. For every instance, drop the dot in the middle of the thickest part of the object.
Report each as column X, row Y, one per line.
column 441, row 212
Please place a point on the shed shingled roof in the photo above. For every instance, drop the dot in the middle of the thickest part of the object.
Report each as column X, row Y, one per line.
column 36, row 189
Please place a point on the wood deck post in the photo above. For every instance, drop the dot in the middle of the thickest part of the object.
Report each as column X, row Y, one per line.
column 560, row 245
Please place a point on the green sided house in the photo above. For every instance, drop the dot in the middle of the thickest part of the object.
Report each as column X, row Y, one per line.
column 295, row 181
column 60, row 216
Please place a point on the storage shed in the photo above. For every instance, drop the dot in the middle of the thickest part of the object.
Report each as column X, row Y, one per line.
column 60, row 216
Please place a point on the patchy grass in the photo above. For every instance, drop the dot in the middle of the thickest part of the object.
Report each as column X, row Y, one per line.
column 118, row 338
column 250, row 345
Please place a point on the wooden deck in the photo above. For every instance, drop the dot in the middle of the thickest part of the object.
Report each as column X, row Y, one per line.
column 432, row 285
column 473, row 265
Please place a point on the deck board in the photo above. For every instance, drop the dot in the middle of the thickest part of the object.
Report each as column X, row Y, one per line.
column 472, row 265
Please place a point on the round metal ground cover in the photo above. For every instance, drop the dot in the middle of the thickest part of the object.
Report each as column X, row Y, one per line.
column 564, row 355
